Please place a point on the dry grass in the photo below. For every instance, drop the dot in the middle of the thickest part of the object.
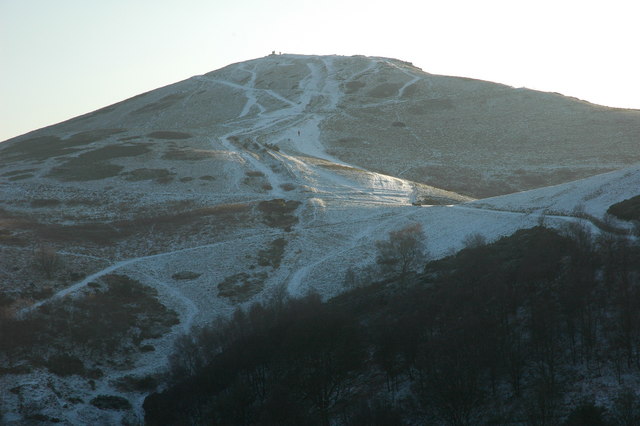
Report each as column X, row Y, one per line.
column 241, row 287
column 44, row 147
column 272, row 256
column 159, row 175
column 353, row 86
column 21, row 177
column 18, row 230
column 161, row 104
column 169, row 135
column 94, row 165
column 10, row 225
column 44, row 202
column 384, row 90
column 176, row 154
column 78, row 172
column 84, row 138
column 278, row 213
column 185, row 275
column 17, row 172
column 114, row 151
column 8, row 238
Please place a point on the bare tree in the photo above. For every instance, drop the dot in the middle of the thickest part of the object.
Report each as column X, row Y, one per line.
column 350, row 279
column 474, row 240
column 580, row 233
column 626, row 408
column 403, row 251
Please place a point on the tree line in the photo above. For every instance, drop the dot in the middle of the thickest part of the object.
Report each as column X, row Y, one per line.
column 498, row 334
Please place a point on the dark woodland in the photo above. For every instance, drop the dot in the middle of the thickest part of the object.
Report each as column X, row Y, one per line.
column 497, row 334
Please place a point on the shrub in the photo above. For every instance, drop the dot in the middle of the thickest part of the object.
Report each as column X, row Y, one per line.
column 47, row 260
column 273, row 255
column 626, row 210
column 44, row 202
column 241, row 287
column 65, row 365
column 626, row 408
column 147, row 348
column 587, row 414
column 169, row 135
column 159, row 175
column 278, row 213
column 111, row 402
column 474, row 240
column 185, row 275
column 137, row 384
column 38, row 417
column 353, row 86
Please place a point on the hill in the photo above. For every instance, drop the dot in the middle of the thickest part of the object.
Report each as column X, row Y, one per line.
column 266, row 179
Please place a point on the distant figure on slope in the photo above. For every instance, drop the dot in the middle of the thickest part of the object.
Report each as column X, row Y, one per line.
column 298, row 132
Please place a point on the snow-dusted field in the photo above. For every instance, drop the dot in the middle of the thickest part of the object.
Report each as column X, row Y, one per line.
column 277, row 137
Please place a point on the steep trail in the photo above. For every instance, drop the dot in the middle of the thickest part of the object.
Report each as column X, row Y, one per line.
column 269, row 92
column 274, row 179
column 299, row 122
column 250, row 93
column 414, row 78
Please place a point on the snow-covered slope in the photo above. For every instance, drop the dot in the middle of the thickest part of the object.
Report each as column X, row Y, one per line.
column 591, row 195
column 276, row 176
column 473, row 137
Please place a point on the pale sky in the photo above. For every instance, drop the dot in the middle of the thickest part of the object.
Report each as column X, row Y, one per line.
column 63, row 58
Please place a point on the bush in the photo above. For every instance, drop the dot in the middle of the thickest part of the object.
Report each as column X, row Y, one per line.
column 587, row 414
column 626, row 408
column 47, row 260
column 65, row 365
column 185, row 275
column 474, row 240
column 626, row 210
column 137, row 384
column 111, row 402
column 278, row 213
column 169, row 135
column 273, row 255
column 242, row 286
